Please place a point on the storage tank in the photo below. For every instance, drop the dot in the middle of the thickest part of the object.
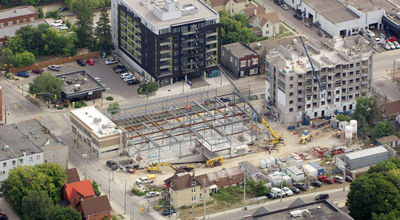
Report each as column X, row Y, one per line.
column 263, row 164
column 348, row 134
column 319, row 169
column 353, row 124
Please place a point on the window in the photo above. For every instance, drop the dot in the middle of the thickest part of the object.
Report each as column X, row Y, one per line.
column 291, row 94
column 38, row 157
column 32, row 19
column 17, row 21
column 291, row 86
column 291, row 102
column 235, row 62
column 56, row 151
column 267, row 25
column 10, row 23
column 267, row 32
column 193, row 198
column 193, row 190
column 1, row 24
column 56, row 159
column 4, row 164
column 13, row 162
column 231, row 59
column 243, row 63
column 30, row 159
column 290, row 109
column 291, row 78
column 193, row 183
column 21, row 161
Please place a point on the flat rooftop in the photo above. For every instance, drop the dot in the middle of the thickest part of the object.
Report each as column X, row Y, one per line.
column 17, row 12
column 10, row 30
column 145, row 8
column 79, row 82
column 332, row 10
column 96, row 121
column 391, row 7
column 239, row 49
column 366, row 153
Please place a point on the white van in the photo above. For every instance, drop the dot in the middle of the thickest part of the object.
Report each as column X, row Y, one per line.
column 278, row 192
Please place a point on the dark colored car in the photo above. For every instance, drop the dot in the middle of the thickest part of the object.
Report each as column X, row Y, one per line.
column 38, row 71
column 133, row 82
column 81, row 62
column 297, row 16
column 295, row 190
column 270, row 196
column 321, row 33
column 168, row 212
column 316, row 183
column 121, row 70
column 349, row 179
column 90, row 62
column 278, row 2
column 63, row 9
column 23, row 74
column 322, row 196
column 112, row 164
column 54, row 68
column 3, row 216
column 118, row 67
column 301, row 186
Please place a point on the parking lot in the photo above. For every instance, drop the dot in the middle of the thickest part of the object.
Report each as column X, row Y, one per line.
column 106, row 74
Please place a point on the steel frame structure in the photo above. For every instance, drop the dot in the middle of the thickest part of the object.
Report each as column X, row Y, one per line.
column 189, row 124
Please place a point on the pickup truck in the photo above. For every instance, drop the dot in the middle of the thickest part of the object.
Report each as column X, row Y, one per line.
column 326, row 179
column 144, row 180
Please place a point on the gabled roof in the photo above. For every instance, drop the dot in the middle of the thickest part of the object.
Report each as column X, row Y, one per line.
column 272, row 17
column 181, row 180
column 72, row 175
column 388, row 139
column 262, row 210
column 297, row 202
column 83, row 187
column 222, row 178
column 95, row 205
column 215, row 3
column 249, row 12
column 392, row 107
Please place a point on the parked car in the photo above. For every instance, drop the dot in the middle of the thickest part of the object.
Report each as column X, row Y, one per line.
column 308, row 24
column 294, row 190
column 60, row 9
column 23, row 74
column 38, row 71
column 387, row 47
column 316, row 183
column 124, row 75
column 322, row 196
column 112, row 164
column 152, row 194
column 348, row 179
column 118, row 67
column 121, row 70
column 3, row 216
column 111, row 61
column 278, row 2
column 56, row 23
column 278, row 192
column 362, row 33
column 133, row 81
column 90, row 62
column 168, row 212
column 391, row 45
column 301, row 186
column 321, row 33
column 391, row 39
column 128, row 77
column 271, row 196
column 326, row 179
column 54, row 67
column 287, row 191
column 396, row 44
column 378, row 40
column 370, row 34
column 81, row 62
column 338, row 179
column 285, row 7
column 297, row 16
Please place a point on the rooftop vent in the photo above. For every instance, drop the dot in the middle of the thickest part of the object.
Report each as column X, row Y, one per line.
column 6, row 148
column 97, row 119
column 32, row 132
column 37, row 137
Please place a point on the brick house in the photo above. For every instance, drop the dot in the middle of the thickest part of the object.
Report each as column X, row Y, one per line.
column 184, row 189
column 74, row 192
column 391, row 109
column 96, row 208
column 72, row 175
column 241, row 59
column 222, row 178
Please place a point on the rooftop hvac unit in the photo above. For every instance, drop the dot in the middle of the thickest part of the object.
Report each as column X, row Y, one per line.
column 105, row 125
column 97, row 119
column 77, row 87
column 6, row 147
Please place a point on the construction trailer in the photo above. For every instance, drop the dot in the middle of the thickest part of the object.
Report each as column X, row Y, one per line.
column 186, row 128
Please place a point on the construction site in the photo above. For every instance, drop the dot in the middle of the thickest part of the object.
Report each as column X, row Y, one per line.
column 187, row 128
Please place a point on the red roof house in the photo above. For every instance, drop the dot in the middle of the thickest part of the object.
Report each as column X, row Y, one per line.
column 392, row 109
column 74, row 192
column 96, row 208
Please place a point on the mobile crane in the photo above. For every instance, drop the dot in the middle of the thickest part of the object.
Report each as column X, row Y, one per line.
column 277, row 138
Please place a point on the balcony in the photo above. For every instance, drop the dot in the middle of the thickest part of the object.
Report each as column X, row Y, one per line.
column 212, row 42
column 188, row 32
column 212, row 34
column 165, row 66
column 165, row 43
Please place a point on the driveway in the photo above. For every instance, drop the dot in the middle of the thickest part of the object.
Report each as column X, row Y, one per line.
column 6, row 208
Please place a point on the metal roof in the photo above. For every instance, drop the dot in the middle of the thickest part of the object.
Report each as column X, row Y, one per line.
column 366, row 153
column 16, row 12
column 332, row 10
column 10, row 30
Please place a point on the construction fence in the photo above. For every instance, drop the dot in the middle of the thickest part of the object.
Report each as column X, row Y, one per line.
column 55, row 62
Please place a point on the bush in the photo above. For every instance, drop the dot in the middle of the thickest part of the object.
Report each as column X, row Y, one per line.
column 138, row 192
column 53, row 14
column 110, row 98
column 84, row 104
column 78, row 105
column 9, row 75
column 66, row 105
column 41, row 14
column 60, row 107
column 16, row 79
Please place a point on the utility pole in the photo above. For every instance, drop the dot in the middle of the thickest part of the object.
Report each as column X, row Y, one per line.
column 109, row 184
column 281, row 181
column 394, row 68
column 344, row 171
column 85, row 157
column 244, row 194
column 204, row 198
column 125, row 199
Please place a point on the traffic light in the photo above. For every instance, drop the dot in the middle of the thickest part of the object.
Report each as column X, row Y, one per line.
column 34, row 95
column 142, row 209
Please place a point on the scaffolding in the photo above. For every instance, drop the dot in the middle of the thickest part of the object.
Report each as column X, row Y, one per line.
column 184, row 125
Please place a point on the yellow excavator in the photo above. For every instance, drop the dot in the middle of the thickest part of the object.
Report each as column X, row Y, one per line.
column 306, row 137
column 218, row 161
column 276, row 138
column 155, row 167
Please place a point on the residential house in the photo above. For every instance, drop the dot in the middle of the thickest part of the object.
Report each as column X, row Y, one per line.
column 267, row 23
column 241, row 59
column 231, row 6
column 222, row 178
column 391, row 140
column 391, row 109
column 74, row 192
column 251, row 14
column 184, row 189
column 72, row 175
column 96, row 208
column 250, row 171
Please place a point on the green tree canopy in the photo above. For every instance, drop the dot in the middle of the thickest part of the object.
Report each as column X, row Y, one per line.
column 7, row 56
column 49, row 177
column 342, row 117
column 30, row 204
column 46, row 83
column 383, row 129
column 367, row 113
column 24, row 59
column 95, row 186
column 235, row 29
column 103, row 32
column 67, row 213
column 16, row 44
column 113, row 108
column 84, row 22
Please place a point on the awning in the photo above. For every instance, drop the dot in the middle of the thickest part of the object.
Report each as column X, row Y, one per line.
column 213, row 186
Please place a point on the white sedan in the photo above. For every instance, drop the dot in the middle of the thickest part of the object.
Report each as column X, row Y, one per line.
column 111, row 61
column 152, row 194
column 124, row 75
column 57, row 23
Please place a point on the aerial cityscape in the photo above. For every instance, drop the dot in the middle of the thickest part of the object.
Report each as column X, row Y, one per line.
column 199, row 109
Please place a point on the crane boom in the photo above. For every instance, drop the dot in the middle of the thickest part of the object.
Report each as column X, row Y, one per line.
column 277, row 138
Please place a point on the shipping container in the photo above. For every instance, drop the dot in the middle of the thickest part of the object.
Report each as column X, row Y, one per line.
column 310, row 171
column 365, row 158
column 296, row 174
column 320, row 170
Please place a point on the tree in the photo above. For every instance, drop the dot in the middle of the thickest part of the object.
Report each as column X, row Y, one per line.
column 113, row 108
column 103, row 32
column 367, row 113
column 342, row 117
column 49, row 177
column 30, row 203
column 46, row 83
column 369, row 193
column 7, row 56
column 16, row 44
column 263, row 61
column 24, row 59
column 67, row 213
column 95, row 186
column 41, row 14
column 84, row 22
column 392, row 215
column 383, row 129
column 152, row 87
